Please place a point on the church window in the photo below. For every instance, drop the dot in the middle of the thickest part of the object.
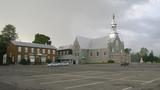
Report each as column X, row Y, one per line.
column 116, row 42
column 104, row 53
column 112, row 49
column 97, row 53
column 90, row 53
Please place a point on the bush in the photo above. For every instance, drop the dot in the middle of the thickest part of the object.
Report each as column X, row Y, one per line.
column 25, row 62
column 57, row 60
column 9, row 61
column 111, row 61
column 28, row 61
column 49, row 61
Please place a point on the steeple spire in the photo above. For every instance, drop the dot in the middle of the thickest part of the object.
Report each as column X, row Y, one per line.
column 114, row 33
column 113, row 24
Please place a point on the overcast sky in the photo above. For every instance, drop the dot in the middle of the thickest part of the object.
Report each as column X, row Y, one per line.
column 62, row 20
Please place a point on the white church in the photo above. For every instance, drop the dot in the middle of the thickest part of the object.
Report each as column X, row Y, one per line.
column 99, row 50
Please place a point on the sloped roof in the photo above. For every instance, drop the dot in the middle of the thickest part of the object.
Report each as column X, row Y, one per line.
column 88, row 43
column 65, row 47
column 99, row 43
column 27, row 44
column 84, row 42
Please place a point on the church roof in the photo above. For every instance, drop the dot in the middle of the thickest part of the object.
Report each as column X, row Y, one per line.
column 97, row 43
column 65, row 47
column 27, row 44
column 84, row 42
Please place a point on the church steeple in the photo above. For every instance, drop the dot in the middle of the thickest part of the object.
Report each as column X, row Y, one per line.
column 113, row 24
column 114, row 33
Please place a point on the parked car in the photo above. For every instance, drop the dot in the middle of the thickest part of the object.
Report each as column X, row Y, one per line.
column 124, row 64
column 57, row 64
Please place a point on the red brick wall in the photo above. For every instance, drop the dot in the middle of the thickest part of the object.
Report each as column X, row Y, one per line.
column 13, row 50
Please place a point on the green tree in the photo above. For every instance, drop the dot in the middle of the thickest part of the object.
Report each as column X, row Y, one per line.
column 151, row 57
column 127, row 50
column 8, row 34
column 42, row 39
column 144, row 52
column 135, row 57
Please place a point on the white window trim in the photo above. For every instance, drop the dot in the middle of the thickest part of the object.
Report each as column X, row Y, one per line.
column 32, row 50
column 43, row 50
column 19, row 49
column 49, row 51
column 26, row 49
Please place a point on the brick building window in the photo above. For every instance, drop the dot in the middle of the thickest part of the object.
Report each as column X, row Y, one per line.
column 53, row 51
column 49, row 51
column 38, row 50
column 65, row 52
column 32, row 50
column 26, row 49
column 19, row 49
column 19, row 58
column 43, row 50
column 48, row 57
column 25, row 57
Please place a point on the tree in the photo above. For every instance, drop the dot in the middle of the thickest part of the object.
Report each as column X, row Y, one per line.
column 151, row 56
column 135, row 57
column 8, row 34
column 42, row 39
column 144, row 52
column 127, row 50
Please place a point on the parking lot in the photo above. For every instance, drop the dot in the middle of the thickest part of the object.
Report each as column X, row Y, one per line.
column 80, row 77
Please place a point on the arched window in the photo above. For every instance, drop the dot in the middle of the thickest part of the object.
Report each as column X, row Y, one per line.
column 97, row 53
column 90, row 53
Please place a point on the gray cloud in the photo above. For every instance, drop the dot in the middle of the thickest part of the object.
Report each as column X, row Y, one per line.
column 63, row 20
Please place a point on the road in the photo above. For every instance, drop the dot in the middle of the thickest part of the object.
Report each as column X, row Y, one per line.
column 80, row 77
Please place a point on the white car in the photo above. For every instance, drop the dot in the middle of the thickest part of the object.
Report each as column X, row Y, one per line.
column 57, row 64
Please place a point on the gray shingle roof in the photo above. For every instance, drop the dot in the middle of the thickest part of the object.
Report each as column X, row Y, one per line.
column 27, row 44
column 87, row 43
column 65, row 47
column 84, row 42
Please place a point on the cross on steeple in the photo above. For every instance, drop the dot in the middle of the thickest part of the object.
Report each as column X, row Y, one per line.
column 113, row 24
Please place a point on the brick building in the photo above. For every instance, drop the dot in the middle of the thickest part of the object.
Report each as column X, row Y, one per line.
column 30, row 51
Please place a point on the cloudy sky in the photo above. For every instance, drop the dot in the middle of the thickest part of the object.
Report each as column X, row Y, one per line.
column 138, row 20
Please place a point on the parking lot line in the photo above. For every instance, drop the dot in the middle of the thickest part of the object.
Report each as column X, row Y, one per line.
column 151, row 81
column 47, row 75
column 83, row 85
column 127, row 88
column 60, row 81
column 141, row 81
column 123, row 78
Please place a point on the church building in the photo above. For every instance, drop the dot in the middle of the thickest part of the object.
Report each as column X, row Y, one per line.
column 100, row 50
